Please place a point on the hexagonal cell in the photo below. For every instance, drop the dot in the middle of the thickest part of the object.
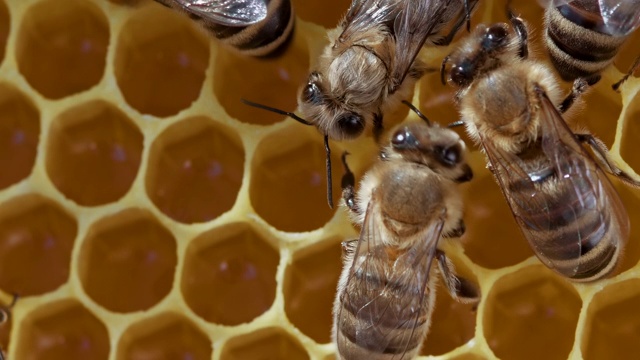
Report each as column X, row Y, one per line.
column 326, row 13
column 36, row 239
column 535, row 305
column 62, row 330
column 160, row 61
column 195, row 170
column 631, row 201
column 93, row 153
column 244, row 77
column 631, row 134
column 289, row 173
column 468, row 356
column 127, row 261
column 309, row 289
column 270, row 343
column 165, row 336
column 453, row 324
column 19, row 134
column 72, row 35
column 229, row 275
column 612, row 327
column 488, row 217
column 5, row 23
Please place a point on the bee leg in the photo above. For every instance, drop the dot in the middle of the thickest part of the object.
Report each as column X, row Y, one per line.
column 447, row 39
column 634, row 67
column 602, row 155
column 348, row 186
column 521, row 29
column 349, row 248
column 461, row 289
column 378, row 128
column 458, row 231
column 580, row 85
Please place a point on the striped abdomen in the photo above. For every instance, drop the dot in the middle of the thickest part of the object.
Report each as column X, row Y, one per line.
column 266, row 38
column 374, row 325
column 577, row 44
column 576, row 226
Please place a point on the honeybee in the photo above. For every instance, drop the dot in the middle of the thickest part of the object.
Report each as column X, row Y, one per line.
column 251, row 27
column 405, row 203
column 583, row 36
column 370, row 64
column 5, row 315
column 560, row 197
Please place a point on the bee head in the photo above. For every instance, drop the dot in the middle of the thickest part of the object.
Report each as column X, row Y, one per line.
column 326, row 114
column 440, row 149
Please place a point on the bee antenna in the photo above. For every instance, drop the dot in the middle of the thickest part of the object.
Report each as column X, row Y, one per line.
column 277, row 111
column 442, row 67
column 327, row 149
column 456, row 124
column 415, row 110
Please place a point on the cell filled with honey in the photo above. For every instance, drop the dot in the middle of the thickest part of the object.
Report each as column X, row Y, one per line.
column 229, row 274
column 94, row 153
column 270, row 343
column 195, row 170
column 127, row 261
column 36, row 239
column 309, row 285
column 62, row 46
column 19, row 134
column 5, row 22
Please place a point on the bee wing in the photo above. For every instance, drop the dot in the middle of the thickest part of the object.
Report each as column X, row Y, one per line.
column 365, row 14
column 383, row 303
column 415, row 23
column 580, row 187
column 225, row 12
column 621, row 17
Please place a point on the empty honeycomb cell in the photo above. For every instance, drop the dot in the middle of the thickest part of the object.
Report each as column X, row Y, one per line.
column 492, row 239
column 19, row 134
column 528, row 313
column 631, row 134
column 309, row 290
column 453, row 324
column 128, row 261
column 270, row 81
column 631, row 200
column 62, row 46
column 264, row 344
column 62, row 330
column 36, row 239
column 5, row 22
column 324, row 13
column 195, row 170
column 165, row 336
column 93, row 154
column 612, row 329
column 160, row 61
column 289, row 183
column 229, row 275
column 628, row 53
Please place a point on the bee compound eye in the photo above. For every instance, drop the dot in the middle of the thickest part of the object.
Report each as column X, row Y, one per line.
column 450, row 155
column 460, row 74
column 403, row 139
column 311, row 93
column 494, row 37
column 350, row 124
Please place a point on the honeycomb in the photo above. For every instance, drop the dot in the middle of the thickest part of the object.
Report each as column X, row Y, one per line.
column 145, row 213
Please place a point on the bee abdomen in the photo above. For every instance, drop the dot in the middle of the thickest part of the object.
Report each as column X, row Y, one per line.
column 578, row 51
column 399, row 328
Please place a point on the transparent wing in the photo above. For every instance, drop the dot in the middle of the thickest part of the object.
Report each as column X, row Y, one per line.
column 227, row 12
column 366, row 14
column 621, row 17
column 384, row 299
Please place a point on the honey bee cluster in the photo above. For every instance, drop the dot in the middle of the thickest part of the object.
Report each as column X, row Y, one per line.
column 147, row 213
